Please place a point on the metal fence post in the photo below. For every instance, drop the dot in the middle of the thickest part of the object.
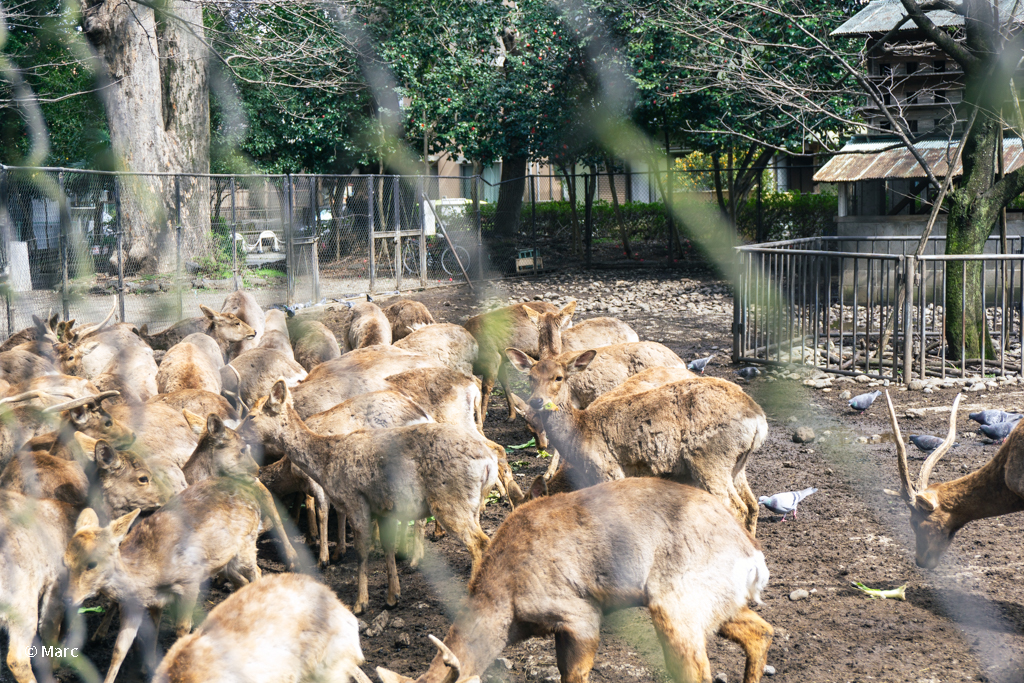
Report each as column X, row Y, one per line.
column 423, row 232
column 533, row 219
column 177, row 240
column 395, row 185
column 738, row 304
column 65, row 225
column 118, row 227
column 908, row 325
column 369, row 222
column 315, row 247
column 289, row 240
column 479, row 228
column 7, row 238
column 234, row 237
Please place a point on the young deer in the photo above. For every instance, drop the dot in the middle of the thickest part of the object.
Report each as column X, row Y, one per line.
column 285, row 628
column 938, row 511
column 634, row 543
column 399, row 474
column 207, row 529
column 697, row 431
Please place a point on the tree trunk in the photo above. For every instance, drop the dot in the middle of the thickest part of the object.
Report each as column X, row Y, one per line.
column 615, row 206
column 510, row 198
column 570, row 183
column 158, row 113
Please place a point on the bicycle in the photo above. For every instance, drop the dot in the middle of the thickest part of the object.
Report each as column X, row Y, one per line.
column 435, row 255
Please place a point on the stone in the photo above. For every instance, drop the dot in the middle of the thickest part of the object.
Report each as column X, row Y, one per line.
column 863, row 379
column 803, row 435
column 504, row 663
column 397, row 623
column 362, row 625
column 377, row 626
column 916, row 384
column 977, row 387
column 547, row 674
column 720, row 677
column 928, row 390
column 798, row 595
column 769, row 670
column 403, row 640
column 845, row 395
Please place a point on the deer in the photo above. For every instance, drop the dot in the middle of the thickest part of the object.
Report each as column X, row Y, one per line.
column 91, row 353
column 558, row 335
column 165, row 339
column 313, row 343
column 406, row 317
column 20, row 365
column 243, row 306
column 132, row 373
column 698, row 431
column 450, row 345
column 163, row 437
column 938, row 511
column 368, row 326
column 198, row 401
column 275, row 333
column 39, row 330
column 208, row 529
column 193, row 363
column 85, row 415
column 497, row 329
column 399, row 474
column 251, row 373
column 285, row 628
column 633, row 543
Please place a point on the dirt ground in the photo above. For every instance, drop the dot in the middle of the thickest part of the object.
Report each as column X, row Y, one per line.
column 963, row 621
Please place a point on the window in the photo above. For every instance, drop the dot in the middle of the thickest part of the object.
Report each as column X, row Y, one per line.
column 911, row 67
column 912, row 125
column 466, row 171
column 939, row 65
column 886, row 125
column 887, row 99
column 885, row 69
column 940, row 97
column 912, row 97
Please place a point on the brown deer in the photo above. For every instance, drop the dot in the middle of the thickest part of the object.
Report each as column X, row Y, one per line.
column 938, row 511
column 243, row 306
column 85, row 415
column 367, row 327
column 496, row 330
column 285, row 628
column 189, row 365
column 697, row 431
column 208, row 529
column 161, row 341
column 198, row 401
column 406, row 317
column 399, row 474
column 634, row 543
column 450, row 345
column 275, row 333
column 313, row 343
column 251, row 373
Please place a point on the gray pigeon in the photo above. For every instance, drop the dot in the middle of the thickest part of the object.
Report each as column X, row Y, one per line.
column 927, row 442
column 999, row 430
column 748, row 373
column 784, row 503
column 991, row 417
column 863, row 402
column 699, row 364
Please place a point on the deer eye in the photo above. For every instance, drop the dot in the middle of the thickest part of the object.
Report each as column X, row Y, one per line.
column 143, row 479
column 71, row 357
column 91, row 565
column 558, row 379
column 108, row 423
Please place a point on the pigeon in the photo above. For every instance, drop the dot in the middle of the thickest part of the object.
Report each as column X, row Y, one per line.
column 699, row 364
column 863, row 402
column 999, row 430
column 991, row 417
column 926, row 442
column 784, row 503
column 748, row 373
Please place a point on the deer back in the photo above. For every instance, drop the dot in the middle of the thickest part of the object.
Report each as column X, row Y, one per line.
column 187, row 366
column 275, row 333
column 368, row 327
column 450, row 345
column 595, row 333
column 313, row 343
column 406, row 317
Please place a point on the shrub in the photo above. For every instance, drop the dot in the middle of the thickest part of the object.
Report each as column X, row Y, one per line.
column 788, row 215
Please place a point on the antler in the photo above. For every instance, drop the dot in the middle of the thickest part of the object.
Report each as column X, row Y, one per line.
column 907, row 491
column 936, row 455
column 449, row 658
column 78, row 402
column 18, row 398
column 83, row 333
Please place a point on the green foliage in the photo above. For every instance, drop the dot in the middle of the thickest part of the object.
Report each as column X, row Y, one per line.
column 789, row 215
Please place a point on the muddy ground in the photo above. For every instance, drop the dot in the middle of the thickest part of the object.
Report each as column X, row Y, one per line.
column 961, row 622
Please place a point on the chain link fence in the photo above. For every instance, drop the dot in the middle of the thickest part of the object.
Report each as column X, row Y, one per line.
column 154, row 246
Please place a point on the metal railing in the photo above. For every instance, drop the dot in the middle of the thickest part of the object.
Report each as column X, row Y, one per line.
column 828, row 303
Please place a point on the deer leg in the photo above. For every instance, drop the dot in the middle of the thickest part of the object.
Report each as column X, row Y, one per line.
column 388, row 537
column 51, row 611
column 342, row 527
column 323, row 510
column 314, row 529
column 151, row 654
column 359, row 517
column 465, row 525
column 186, row 605
column 131, row 619
column 19, row 641
column 108, row 617
column 266, row 501
column 503, row 379
column 754, row 635
column 685, row 651
column 575, row 648
column 419, row 531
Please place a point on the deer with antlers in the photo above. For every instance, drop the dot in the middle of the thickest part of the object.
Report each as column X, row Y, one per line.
column 938, row 511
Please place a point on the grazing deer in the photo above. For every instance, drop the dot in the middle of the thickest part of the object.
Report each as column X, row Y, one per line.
column 399, row 474
column 368, row 326
column 275, row 333
column 450, row 345
column 406, row 317
column 243, row 305
column 208, row 529
column 284, row 628
column 635, row 543
column 938, row 511
column 495, row 330
column 251, row 373
column 313, row 343
column 697, row 431
column 189, row 365
column 162, row 341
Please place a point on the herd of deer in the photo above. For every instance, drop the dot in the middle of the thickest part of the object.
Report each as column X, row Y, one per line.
column 202, row 425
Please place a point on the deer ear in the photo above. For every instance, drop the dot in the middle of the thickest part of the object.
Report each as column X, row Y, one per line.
column 539, row 487
column 532, row 314
column 391, row 677
column 86, row 442
column 924, row 502
column 215, row 426
column 196, row 423
column 278, row 395
column 105, row 455
column 79, row 415
column 580, row 362
column 87, row 520
column 208, row 312
column 519, row 360
column 120, row 526
column 568, row 310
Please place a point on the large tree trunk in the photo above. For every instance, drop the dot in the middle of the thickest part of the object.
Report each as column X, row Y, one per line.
column 158, row 112
column 510, row 197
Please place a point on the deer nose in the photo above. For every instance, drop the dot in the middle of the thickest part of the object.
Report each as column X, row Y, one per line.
column 536, row 403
